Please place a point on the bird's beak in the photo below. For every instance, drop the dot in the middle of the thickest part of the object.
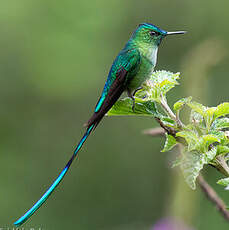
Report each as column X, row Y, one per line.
column 176, row 32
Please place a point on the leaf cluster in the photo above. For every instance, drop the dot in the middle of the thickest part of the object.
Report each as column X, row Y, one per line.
column 205, row 136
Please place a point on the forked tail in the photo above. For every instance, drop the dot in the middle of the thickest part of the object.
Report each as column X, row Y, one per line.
column 39, row 203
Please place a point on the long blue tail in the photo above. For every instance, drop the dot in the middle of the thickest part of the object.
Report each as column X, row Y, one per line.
column 39, row 203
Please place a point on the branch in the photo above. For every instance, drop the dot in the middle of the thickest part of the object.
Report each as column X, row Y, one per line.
column 170, row 131
column 154, row 132
column 167, row 129
column 222, row 165
column 167, row 109
column 213, row 197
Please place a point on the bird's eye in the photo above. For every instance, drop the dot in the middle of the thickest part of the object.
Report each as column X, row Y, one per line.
column 153, row 33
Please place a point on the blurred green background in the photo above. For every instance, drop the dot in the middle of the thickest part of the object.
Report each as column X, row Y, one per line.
column 54, row 59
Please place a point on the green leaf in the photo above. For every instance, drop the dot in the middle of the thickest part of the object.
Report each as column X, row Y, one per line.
column 142, row 108
column 221, row 149
column 222, row 109
column 208, row 113
column 161, row 76
column 168, row 121
column 191, row 138
column 210, row 155
column 224, row 182
column 210, row 116
column 179, row 104
column 196, row 117
column 197, row 107
column 191, row 166
column 224, row 140
column 220, row 124
column 197, row 121
column 193, row 163
column 176, row 162
column 170, row 142
column 159, row 84
column 205, row 141
column 165, row 80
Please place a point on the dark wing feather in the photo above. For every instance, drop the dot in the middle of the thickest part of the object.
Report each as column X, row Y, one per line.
column 122, row 71
column 117, row 88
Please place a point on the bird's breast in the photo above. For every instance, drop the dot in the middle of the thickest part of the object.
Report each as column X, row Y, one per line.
column 145, row 70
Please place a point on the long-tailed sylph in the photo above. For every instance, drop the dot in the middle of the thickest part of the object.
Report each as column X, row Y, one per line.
column 133, row 65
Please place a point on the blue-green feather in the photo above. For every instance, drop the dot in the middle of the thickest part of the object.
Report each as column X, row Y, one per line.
column 38, row 204
column 129, row 59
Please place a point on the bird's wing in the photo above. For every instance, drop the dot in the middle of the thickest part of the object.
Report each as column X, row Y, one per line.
column 122, row 71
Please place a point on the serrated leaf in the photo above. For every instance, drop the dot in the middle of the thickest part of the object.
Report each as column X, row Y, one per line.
column 222, row 110
column 210, row 138
column 123, row 107
column 162, row 75
column 224, row 181
column 166, row 85
column 197, row 123
column 197, row 107
column 176, row 162
column 224, row 140
column 210, row 116
column 196, row 117
column 193, row 163
column 191, row 166
column 210, row 155
column 170, row 142
column 179, row 104
column 159, row 84
column 191, row 138
column 208, row 113
column 221, row 149
column 205, row 141
column 220, row 124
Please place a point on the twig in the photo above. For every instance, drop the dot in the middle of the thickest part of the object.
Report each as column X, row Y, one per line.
column 222, row 165
column 154, row 132
column 213, row 197
column 167, row 109
column 167, row 129
column 170, row 131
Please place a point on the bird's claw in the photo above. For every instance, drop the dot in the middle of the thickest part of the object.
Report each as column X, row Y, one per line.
column 133, row 107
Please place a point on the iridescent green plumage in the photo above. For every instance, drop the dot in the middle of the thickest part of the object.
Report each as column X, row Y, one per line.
column 131, row 68
column 138, row 58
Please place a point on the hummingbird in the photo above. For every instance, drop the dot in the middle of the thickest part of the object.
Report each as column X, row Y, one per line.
column 131, row 68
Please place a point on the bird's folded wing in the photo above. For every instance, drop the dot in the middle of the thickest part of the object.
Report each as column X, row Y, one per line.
column 123, row 69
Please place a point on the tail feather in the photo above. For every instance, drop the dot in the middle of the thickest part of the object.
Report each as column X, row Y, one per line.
column 45, row 196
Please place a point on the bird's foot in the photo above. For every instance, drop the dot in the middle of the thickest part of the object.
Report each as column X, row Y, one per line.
column 136, row 90
column 133, row 106
column 132, row 97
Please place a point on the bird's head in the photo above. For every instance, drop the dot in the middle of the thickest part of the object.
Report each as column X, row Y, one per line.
column 150, row 34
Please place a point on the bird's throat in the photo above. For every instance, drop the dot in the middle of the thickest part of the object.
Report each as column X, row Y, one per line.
column 149, row 52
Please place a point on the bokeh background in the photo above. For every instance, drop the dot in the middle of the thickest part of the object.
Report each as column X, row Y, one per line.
column 54, row 59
